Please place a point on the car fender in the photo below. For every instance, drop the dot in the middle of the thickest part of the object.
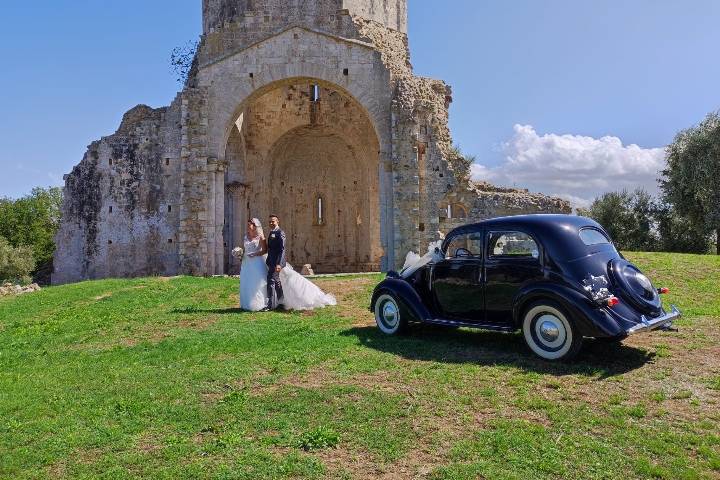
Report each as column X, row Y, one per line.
column 407, row 296
column 592, row 321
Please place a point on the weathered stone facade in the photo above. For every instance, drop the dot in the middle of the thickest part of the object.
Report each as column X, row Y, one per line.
column 304, row 108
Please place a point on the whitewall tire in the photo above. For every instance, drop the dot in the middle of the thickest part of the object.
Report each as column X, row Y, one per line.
column 389, row 315
column 549, row 332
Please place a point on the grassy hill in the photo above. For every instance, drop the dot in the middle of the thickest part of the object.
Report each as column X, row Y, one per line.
column 165, row 378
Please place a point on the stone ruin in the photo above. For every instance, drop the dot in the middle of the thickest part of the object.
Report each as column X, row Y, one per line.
column 308, row 109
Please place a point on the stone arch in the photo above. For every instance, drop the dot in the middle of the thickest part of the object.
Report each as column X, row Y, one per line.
column 293, row 151
column 265, row 82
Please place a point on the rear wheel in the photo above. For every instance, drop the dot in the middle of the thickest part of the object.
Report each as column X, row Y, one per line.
column 389, row 316
column 550, row 333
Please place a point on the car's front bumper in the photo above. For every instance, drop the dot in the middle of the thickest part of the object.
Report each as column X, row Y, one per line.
column 664, row 321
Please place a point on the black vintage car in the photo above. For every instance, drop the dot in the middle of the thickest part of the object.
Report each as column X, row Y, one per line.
column 557, row 278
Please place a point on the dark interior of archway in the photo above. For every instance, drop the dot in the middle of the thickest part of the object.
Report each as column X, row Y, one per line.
column 314, row 162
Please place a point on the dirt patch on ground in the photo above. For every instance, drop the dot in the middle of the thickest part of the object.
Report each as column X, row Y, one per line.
column 417, row 463
column 350, row 294
column 324, row 377
column 148, row 443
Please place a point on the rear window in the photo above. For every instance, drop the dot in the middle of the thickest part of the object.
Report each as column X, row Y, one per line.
column 590, row 236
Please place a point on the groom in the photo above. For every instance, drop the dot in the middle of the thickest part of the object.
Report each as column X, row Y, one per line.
column 275, row 262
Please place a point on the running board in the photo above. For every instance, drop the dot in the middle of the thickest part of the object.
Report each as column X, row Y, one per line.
column 481, row 326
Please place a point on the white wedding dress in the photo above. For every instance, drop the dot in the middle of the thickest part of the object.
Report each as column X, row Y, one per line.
column 253, row 278
column 299, row 292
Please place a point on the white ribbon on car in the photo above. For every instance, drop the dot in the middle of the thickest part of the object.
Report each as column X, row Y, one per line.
column 414, row 262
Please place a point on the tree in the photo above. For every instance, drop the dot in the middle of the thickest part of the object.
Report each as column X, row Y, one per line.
column 628, row 217
column 678, row 233
column 32, row 221
column 183, row 61
column 16, row 263
column 461, row 161
column 691, row 181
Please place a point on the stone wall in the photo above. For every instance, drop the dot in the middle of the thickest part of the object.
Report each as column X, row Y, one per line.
column 121, row 203
column 390, row 13
column 233, row 25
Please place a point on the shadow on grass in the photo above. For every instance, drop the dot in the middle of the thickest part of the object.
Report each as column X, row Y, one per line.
column 431, row 343
column 225, row 311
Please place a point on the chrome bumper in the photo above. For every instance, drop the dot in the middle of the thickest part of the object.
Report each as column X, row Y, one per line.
column 665, row 321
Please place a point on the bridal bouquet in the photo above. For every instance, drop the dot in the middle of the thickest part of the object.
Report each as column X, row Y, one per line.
column 238, row 252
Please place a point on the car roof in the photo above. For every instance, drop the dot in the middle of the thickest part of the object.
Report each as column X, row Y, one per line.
column 556, row 232
column 552, row 221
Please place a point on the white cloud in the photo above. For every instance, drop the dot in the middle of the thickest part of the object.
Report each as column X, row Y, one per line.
column 574, row 167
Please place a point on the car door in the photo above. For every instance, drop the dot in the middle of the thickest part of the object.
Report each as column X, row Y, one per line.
column 513, row 258
column 456, row 280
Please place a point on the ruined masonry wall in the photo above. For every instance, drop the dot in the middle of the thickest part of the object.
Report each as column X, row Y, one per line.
column 121, row 203
column 235, row 25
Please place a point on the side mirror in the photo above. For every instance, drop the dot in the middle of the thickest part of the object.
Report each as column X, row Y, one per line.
column 462, row 253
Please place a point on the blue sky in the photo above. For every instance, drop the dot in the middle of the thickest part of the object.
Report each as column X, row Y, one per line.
column 550, row 95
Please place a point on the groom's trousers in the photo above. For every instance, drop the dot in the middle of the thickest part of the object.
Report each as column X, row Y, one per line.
column 274, row 289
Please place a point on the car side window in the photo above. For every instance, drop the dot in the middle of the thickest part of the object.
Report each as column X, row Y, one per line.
column 513, row 245
column 466, row 245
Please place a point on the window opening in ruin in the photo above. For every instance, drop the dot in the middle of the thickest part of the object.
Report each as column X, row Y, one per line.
column 167, row 161
column 170, row 240
column 110, row 209
column 346, row 72
column 111, row 162
column 315, row 93
column 252, row 74
column 320, row 212
column 458, row 211
column 169, row 208
column 109, row 242
column 421, row 227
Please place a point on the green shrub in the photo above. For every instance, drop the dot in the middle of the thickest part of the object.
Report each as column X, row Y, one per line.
column 32, row 221
column 318, row 439
column 16, row 263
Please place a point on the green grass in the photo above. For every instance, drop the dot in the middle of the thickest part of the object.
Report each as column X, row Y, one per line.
column 165, row 378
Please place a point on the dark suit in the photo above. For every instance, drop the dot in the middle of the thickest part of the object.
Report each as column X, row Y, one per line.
column 275, row 257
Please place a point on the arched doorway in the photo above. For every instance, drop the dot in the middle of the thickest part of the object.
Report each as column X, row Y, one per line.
column 308, row 153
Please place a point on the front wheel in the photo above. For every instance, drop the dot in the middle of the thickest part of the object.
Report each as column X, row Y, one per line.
column 389, row 316
column 550, row 333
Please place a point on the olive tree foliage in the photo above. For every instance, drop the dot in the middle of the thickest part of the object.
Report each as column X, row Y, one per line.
column 691, row 181
column 628, row 217
column 678, row 233
column 183, row 61
column 32, row 221
column 16, row 263
column 637, row 221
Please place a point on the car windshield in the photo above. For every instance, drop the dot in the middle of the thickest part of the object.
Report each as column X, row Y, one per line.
column 591, row 236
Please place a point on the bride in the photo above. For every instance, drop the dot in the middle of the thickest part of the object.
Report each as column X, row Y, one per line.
column 300, row 293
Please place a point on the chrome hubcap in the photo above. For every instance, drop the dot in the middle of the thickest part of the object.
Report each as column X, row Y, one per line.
column 390, row 313
column 549, row 331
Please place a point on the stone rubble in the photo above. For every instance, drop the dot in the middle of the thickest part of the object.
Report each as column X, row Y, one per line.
column 8, row 289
